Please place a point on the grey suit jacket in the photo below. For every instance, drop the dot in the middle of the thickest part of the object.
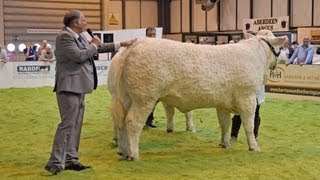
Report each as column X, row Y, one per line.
column 74, row 71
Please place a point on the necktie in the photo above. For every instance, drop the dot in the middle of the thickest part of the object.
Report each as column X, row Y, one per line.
column 95, row 76
column 80, row 39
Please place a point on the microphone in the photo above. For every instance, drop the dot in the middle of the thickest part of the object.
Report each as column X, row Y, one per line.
column 90, row 32
column 95, row 57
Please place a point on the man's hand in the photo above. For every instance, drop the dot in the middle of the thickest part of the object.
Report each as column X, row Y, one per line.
column 95, row 40
column 128, row 43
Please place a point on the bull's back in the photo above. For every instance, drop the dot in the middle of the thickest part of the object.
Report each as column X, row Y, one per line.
column 180, row 73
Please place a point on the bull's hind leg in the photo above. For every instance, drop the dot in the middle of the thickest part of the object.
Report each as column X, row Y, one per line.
column 134, row 121
column 169, row 114
column 118, row 111
column 189, row 123
column 224, row 121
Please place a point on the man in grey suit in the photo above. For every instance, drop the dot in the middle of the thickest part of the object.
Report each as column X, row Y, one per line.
column 76, row 76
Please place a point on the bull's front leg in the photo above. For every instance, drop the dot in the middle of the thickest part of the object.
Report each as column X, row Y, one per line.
column 225, row 122
column 189, row 123
column 248, row 124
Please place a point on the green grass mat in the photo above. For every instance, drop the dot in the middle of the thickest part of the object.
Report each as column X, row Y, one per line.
column 288, row 138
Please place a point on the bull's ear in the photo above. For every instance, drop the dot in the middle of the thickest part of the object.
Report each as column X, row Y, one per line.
column 280, row 40
column 247, row 35
column 276, row 41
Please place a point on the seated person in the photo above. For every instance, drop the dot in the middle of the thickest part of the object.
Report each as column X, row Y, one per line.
column 47, row 54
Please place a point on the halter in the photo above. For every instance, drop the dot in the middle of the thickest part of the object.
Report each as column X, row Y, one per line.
column 276, row 54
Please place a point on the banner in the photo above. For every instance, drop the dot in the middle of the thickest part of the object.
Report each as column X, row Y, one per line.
column 272, row 24
column 37, row 74
column 294, row 79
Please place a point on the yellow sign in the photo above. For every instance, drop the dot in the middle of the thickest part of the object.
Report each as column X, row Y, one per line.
column 113, row 20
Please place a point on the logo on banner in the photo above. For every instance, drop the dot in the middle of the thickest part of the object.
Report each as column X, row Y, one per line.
column 102, row 70
column 272, row 24
column 33, row 68
column 276, row 75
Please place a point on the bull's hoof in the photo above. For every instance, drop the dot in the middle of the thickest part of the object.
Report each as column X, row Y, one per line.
column 224, row 146
column 257, row 149
column 120, row 153
column 169, row 131
column 130, row 158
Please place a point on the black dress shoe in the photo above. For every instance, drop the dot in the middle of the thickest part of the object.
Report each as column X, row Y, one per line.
column 77, row 167
column 53, row 169
column 151, row 125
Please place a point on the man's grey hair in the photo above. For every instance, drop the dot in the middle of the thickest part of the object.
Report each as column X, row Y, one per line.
column 71, row 16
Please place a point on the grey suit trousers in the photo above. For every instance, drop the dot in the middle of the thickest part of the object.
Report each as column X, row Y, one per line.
column 66, row 142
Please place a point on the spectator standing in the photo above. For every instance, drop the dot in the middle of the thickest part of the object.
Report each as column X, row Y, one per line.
column 303, row 53
column 287, row 49
column 76, row 76
column 236, row 120
column 151, row 33
column 3, row 55
column 43, row 46
column 294, row 45
column 30, row 53
column 47, row 54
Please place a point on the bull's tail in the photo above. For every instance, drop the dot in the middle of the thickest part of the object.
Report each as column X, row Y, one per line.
column 115, row 85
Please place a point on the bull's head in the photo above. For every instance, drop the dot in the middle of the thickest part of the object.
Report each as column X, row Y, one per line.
column 273, row 42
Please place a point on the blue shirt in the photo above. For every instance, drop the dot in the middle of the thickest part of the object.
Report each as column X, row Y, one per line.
column 303, row 54
column 31, row 52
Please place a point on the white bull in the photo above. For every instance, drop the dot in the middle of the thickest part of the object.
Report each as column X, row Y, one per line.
column 188, row 76
column 169, row 110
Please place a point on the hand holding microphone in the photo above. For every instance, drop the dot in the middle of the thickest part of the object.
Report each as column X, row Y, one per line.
column 95, row 39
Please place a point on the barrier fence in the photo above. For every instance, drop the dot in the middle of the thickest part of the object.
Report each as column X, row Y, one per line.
column 292, row 79
column 38, row 73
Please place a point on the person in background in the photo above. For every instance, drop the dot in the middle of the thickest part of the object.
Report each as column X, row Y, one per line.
column 3, row 55
column 76, row 76
column 303, row 53
column 43, row 46
column 294, row 45
column 236, row 120
column 151, row 33
column 287, row 49
column 318, row 51
column 30, row 53
column 47, row 54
